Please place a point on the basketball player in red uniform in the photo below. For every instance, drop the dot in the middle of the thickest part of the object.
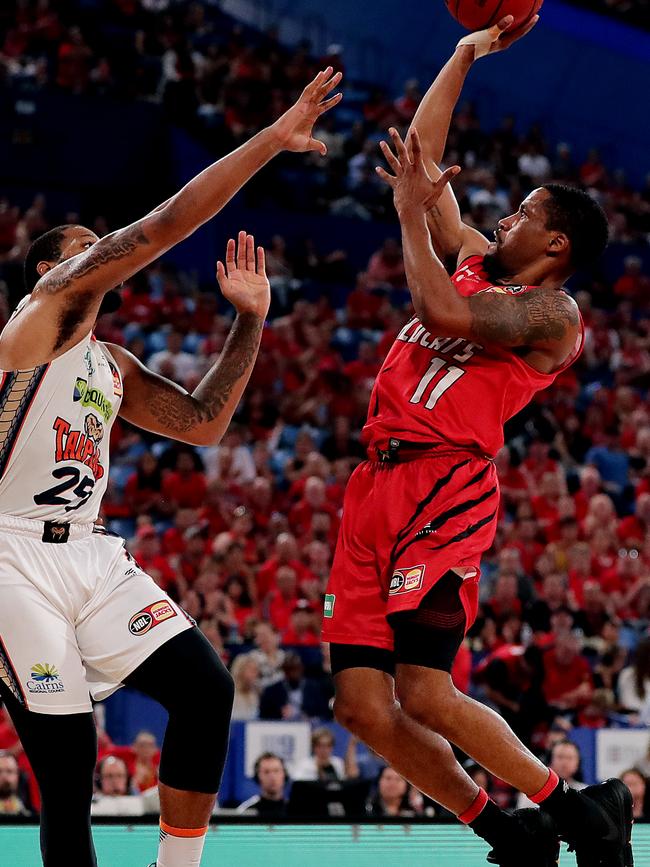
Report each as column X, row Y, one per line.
column 419, row 514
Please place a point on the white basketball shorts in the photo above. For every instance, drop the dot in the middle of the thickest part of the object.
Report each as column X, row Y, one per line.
column 76, row 617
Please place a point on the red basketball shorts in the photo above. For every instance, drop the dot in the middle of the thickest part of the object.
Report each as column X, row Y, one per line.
column 404, row 526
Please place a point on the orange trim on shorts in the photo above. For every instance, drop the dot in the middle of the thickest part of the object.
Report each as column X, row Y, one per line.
column 183, row 832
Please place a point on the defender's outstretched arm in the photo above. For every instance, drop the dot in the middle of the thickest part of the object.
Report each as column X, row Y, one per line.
column 158, row 405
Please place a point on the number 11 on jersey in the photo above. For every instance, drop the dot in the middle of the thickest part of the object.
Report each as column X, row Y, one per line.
column 437, row 364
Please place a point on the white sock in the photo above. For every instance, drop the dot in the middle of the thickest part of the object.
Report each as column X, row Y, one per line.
column 180, row 847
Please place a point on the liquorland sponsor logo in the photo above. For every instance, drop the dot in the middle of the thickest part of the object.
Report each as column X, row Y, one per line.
column 328, row 610
column 45, row 678
column 406, row 580
column 92, row 397
column 151, row 616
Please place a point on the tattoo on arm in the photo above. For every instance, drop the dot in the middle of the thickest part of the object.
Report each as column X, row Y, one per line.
column 522, row 320
column 183, row 413
column 109, row 249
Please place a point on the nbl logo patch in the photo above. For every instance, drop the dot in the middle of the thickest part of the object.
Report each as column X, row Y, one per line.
column 406, row 580
column 151, row 616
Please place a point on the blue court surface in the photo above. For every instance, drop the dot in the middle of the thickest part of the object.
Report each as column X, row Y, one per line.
column 293, row 846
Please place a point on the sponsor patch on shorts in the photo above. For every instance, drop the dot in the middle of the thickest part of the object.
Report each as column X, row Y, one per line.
column 151, row 616
column 405, row 580
column 328, row 608
column 45, row 678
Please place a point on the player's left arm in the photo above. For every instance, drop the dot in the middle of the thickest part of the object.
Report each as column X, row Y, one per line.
column 156, row 404
column 546, row 320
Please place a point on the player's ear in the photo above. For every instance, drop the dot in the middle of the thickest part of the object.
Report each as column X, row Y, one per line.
column 43, row 268
column 558, row 244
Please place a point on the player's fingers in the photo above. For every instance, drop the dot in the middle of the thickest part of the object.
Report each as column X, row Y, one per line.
column 415, row 146
column 250, row 252
column 506, row 22
column 329, row 103
column 221, row 275
column 313, row 87
column 447, row 176
column 390, row 158
column 241, row 251
column 315, row 144
column 386, row 178
column 528, row 27
column 261, row 261
column 230, row 255
column 400, row 147
column 329, row 85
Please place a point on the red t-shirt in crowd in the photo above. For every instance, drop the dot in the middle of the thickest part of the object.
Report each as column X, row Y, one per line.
column 307, row 639
column 188, row 492
column 560, row 679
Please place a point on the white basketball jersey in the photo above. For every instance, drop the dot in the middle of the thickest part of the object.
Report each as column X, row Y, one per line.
column 55, row 425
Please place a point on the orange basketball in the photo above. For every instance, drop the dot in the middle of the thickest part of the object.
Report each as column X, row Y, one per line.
column 479, row 14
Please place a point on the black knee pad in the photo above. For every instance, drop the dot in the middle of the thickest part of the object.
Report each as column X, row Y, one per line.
column 190, row 681
column 431, row 635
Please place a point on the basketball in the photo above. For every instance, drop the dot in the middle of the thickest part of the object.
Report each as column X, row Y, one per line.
column 479, row 14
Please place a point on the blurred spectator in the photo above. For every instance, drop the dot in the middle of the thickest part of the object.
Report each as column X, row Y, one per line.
column 638, row 786
column 267, row 654
column 386, row 266
column 304, row 628
column 112, row 796
column 323, row 765
column 567, row 677
column 141, row 759
column 634, row 681
column 271, row 777
column 245, row 673
column 10, row 801
column 295, row 696
column 173, row 362
column 391, row 797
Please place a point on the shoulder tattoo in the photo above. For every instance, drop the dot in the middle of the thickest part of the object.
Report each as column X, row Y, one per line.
column 523, row 320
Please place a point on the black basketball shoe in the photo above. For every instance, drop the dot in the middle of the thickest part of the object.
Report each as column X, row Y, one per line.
column 534, row 842
column 610, row 845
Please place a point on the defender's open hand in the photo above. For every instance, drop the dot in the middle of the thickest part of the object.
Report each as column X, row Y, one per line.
column 243, row 281
column 294, row 129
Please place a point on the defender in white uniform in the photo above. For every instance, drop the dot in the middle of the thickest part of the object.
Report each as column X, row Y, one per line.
column 93, row 614
column 78, row 617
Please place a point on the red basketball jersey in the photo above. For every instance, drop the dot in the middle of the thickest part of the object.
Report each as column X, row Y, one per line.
column 451, row 391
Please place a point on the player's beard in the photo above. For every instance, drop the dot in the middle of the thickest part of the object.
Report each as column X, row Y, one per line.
column 493, row 265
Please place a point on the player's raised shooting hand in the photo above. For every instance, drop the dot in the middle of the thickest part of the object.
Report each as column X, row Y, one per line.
column 294, row 129
column 499, row 37
column 411, row 184
column 243, row 281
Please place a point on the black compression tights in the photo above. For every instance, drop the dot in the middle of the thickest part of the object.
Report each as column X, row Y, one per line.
column 62, row 750
column 187, row 677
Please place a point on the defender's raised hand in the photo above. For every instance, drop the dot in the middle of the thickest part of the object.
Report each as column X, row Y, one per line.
column 243, row 281
column 411, row 184
column 294, row 129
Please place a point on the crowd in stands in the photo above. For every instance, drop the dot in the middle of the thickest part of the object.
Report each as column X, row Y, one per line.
column 242, row 534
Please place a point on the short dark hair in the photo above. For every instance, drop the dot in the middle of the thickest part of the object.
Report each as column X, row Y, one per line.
column 573, row 211
column 46, row 248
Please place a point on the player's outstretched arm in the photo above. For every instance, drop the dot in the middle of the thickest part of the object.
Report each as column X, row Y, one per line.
column 546, row 320
column 433, row 119
column 121, row 254
column 158, row 405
